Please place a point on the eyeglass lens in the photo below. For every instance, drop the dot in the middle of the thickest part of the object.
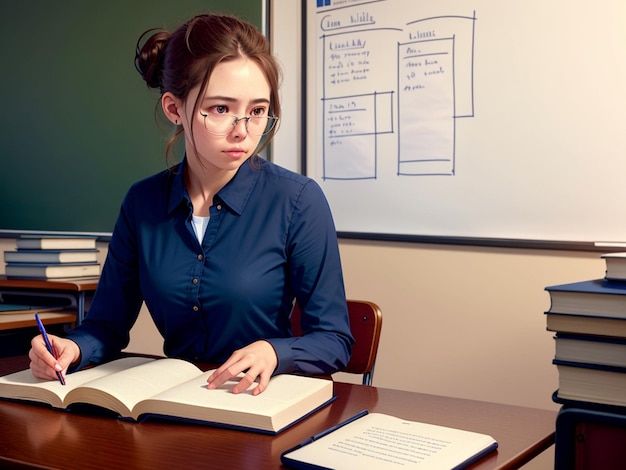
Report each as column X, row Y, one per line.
column 223, row 124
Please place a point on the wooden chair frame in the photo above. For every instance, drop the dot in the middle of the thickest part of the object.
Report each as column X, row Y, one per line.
column 366, row 323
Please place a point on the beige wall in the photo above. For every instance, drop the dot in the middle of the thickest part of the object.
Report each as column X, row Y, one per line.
column 464, row 321
column 458, row 321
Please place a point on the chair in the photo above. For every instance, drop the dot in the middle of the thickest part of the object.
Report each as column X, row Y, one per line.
column 366, row 322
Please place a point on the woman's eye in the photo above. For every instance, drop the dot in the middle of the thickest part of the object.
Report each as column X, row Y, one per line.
column 258, row 112
column 219, row 109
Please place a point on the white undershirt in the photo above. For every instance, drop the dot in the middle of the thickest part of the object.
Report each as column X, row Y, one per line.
column 199, row 226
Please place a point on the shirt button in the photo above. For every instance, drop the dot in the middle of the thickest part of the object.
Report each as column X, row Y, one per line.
column 200, row 257
column 196, row 308
column 195, row 280
column 219, row 207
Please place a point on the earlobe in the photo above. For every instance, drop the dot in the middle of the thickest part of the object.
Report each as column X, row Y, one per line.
column 170, row 105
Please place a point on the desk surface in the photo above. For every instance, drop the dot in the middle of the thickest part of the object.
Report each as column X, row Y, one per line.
column 38, row 436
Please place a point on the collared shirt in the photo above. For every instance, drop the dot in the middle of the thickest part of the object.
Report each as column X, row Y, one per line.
column 270, row 239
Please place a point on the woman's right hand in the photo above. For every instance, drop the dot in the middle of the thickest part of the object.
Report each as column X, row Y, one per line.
column 44, row 365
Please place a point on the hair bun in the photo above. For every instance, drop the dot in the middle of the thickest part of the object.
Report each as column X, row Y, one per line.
column 149, row 55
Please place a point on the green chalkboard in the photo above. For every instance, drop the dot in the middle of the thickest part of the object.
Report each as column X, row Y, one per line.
column 78, row 126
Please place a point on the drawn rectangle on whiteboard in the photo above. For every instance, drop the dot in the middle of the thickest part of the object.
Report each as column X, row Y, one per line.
column 358, row 163
column 359, row 119
column 426, row 81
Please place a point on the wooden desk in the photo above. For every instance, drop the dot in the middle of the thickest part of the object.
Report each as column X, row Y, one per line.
column 77, row 288
column 38, row 436
column 9, row 321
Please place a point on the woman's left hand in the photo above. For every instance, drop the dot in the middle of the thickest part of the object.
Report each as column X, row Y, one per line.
column 258, row 359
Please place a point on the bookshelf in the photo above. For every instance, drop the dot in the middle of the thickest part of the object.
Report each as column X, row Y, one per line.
column 78, row 292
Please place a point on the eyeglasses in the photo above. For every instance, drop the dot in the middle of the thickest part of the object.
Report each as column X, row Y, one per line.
column 223, row 124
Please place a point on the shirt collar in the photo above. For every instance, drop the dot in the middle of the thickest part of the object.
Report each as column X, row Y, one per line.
column 235, row 194
column 178, row 192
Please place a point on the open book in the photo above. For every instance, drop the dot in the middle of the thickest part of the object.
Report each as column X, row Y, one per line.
column 137, row 388
column 379, row 441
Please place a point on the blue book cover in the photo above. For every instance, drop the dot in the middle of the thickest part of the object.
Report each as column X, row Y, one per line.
column 597, row 297
column 594, row 286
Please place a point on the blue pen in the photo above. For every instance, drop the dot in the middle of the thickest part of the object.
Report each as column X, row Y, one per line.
column 49, row 347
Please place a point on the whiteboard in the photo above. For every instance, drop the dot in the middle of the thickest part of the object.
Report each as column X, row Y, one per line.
column 486, row 120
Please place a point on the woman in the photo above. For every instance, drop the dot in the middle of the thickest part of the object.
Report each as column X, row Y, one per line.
column 220, row 245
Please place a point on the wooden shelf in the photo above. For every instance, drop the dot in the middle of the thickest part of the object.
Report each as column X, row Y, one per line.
column 76, row 289
column 69, row 284
column 9, row 321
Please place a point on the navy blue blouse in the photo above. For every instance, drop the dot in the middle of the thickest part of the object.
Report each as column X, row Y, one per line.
column 270, row 239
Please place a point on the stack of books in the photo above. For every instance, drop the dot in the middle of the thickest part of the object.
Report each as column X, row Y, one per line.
column 52, row 257
column 589, row 322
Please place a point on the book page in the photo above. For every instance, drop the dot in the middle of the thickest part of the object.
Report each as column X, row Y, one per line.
column 287, row 398
column 24, row 386
column 121, row 391
column 379, row 441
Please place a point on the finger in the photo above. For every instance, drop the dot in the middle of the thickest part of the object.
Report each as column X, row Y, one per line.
column 41, row 370
column 38, row 346
column 43, row 364
column 67, row 354
column 226, row 367
column 244, row 384
column 216, row 379
column 264, row 380
column 42, row 353
column 223, row 375
column 218, row 372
